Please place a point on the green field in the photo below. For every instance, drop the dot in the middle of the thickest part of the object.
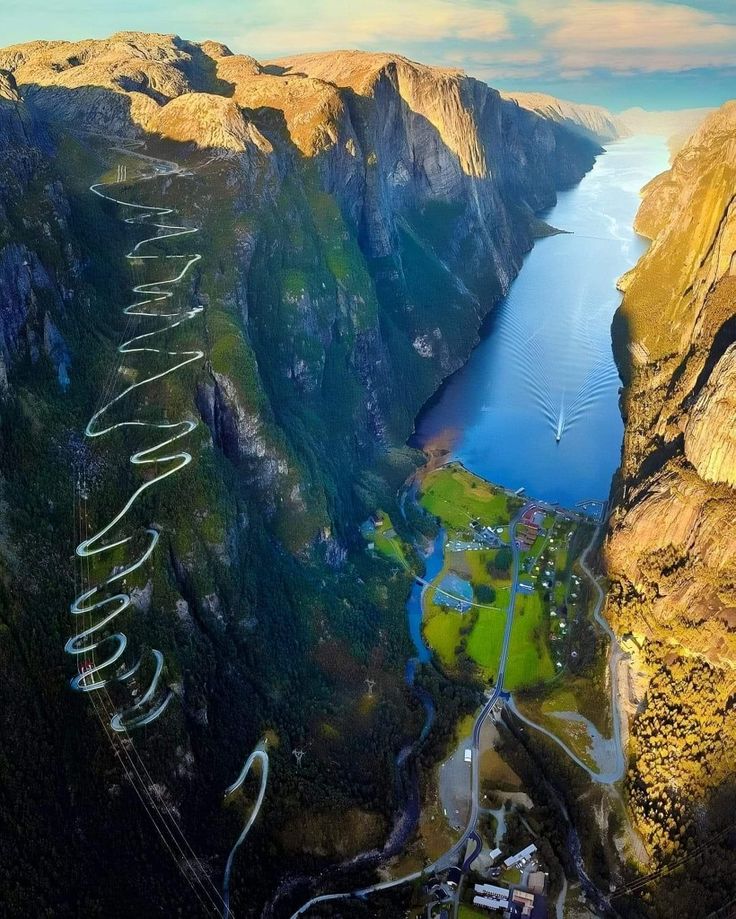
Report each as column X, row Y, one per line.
column 457, row 497
column 442, row 632
column 442, row 627
column 510, row 876
column 475, row 564
column 529, row 661
column 486, row 639
column 389, row 546
column 470, row 912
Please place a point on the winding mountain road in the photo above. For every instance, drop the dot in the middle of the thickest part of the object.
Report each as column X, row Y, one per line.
column 104, row 598
column 258, row 755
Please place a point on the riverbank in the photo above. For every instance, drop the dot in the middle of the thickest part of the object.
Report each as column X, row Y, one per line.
column 535, row 407
column 536, row 404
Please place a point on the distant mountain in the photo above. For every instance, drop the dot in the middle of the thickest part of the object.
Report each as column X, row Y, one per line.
column 676, row 125
column 591, row 121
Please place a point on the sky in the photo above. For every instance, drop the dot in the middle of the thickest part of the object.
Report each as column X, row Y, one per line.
column 658, row 54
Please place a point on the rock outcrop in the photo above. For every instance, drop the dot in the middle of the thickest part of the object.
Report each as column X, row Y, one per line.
column 33, row 291
column 208, row 122
column 422, row 134
column 710, row 435
column 671, row 554
column 678, row 312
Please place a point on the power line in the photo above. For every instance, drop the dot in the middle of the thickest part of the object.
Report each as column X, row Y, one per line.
column 119, row 748
column 672, row 866
column 164, row 820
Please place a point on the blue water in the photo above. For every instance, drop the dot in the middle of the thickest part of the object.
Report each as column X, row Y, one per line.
column 544, row 369
column 432, row 566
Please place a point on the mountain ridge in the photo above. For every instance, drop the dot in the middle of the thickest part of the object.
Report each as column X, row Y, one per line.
column 349, row 244
column 593, row 121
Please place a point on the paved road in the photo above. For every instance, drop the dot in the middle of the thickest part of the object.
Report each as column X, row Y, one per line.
column 445, row 593
column 615, row 654
column 260, row 755
column 451, row 856
column 152, row 303
column 616, row 773
column 603, row 778
column 475, row 853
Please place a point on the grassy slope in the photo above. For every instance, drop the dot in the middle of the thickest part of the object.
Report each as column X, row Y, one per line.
column 457, row 497
column 529, row 660
column 216, row 540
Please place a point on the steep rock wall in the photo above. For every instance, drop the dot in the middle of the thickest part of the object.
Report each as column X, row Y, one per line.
column 670, row 552
column 591, row 121
column 352, row 239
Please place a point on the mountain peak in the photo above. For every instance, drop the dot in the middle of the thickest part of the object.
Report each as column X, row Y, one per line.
column 354, row 68
column 208, row 121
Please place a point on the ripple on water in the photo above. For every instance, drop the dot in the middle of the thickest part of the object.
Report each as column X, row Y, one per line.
column 537, row 402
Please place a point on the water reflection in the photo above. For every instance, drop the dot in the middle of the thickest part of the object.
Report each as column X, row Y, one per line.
column 537, row 403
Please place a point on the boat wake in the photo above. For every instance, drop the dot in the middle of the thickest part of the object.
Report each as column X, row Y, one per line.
column 552, row 383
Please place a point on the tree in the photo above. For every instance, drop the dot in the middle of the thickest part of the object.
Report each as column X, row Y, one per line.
column 484, row 593
column 501, row 563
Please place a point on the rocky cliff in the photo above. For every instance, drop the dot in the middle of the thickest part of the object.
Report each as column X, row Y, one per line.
column 431, row 183
column 591, row 121
column 358, row 216
column 36, row 272
column 671, row 553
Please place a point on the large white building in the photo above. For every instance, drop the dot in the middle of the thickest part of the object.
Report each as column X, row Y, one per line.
column 491, row 890
column 522, row 856
column 488, row 903
column 491, row 897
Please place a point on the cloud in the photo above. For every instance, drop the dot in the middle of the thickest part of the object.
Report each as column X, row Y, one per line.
column 624, row 37
column 501, row 39
column 498, row 62
column 384, row 24
column 515, row 56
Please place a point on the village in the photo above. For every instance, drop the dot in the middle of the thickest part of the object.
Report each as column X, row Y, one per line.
column 485, row 893
column 502, row 598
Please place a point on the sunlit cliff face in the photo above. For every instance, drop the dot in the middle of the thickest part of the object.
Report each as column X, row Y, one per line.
column 671, row 555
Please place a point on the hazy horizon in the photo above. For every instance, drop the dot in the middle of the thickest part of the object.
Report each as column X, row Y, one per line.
column 656, row 54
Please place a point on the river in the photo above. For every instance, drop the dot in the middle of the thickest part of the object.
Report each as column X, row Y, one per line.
column 536, row 404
